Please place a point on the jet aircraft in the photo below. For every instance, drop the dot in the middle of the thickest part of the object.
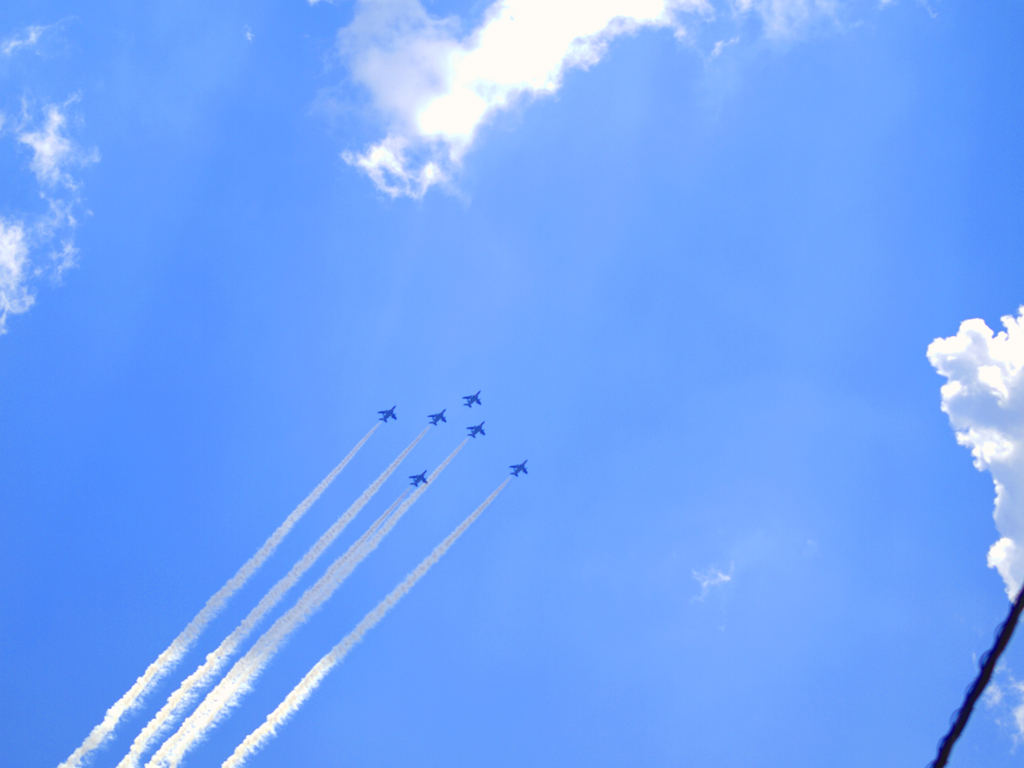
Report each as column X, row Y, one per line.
column 417, row 479
column 436, row 417
column 470, row 399
column 388, row 414
column 477, row 430
column 517, row 468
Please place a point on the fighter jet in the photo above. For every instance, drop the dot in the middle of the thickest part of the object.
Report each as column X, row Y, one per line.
column 388, row 414
column 477, row 430
column 436, row 417
column 417, row 479
column 470, row 399
column 517, row 468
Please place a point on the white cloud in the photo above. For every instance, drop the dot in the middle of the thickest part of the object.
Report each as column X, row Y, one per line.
column 23, row 242
column 30, row 38
column 721, row 46
column 436, row 89
column 1005, row 695
column 14, row 295
column 984, row 399
column 53, row 151
column 712, row 577
column 783, row 17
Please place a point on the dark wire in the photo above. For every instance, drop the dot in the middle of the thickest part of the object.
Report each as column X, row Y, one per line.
column 988, row 665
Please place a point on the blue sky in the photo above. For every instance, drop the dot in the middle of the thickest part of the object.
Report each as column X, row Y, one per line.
column 696, row 290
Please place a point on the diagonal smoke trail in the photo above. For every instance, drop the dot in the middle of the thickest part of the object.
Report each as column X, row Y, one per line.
column 239, row 680
column 294, row 700
column 167, row 660
column 186, row 693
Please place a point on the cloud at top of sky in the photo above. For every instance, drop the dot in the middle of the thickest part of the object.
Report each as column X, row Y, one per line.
column 782, row 16
column 984, row 399
column 53, row 154
column 436, row 87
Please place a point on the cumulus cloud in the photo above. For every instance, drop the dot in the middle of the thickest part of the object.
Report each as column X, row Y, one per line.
column 984, row 399
column 710, row 578
column 435, row 86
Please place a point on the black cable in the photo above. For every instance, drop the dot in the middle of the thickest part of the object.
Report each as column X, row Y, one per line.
column 988, row 665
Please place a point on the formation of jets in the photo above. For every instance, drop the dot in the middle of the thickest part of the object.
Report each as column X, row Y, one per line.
column 435, row 419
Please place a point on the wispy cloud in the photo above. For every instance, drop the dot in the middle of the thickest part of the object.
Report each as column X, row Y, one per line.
column 435, row 86
column 53, row 152
column 984, row 399
column 14, row 294
column 24, row 243
column 1005, row 696
column 721, row 46
column 26, row 39
column 709, row 579
column 782, row 18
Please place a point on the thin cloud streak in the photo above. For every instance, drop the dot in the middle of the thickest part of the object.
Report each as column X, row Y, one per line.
column 240, row 679
column 28, row 40
column 186, row 693
column 170, row 657
column 301, row 692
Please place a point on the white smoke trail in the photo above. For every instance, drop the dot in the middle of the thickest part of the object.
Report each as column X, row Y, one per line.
column 241, row 677
column 167, row 660
column 186, row 693
column 294, row 700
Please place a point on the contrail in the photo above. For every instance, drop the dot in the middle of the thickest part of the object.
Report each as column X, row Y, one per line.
column 239, row 680
column 167, row 660
column 294, row 700
column 182, row 698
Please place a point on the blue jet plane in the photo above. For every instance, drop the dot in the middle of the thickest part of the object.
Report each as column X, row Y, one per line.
column 517, row 468
column 477, row 430
column 436, row 417
column 388, row 414
column 417, row 479
column 470, row 399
